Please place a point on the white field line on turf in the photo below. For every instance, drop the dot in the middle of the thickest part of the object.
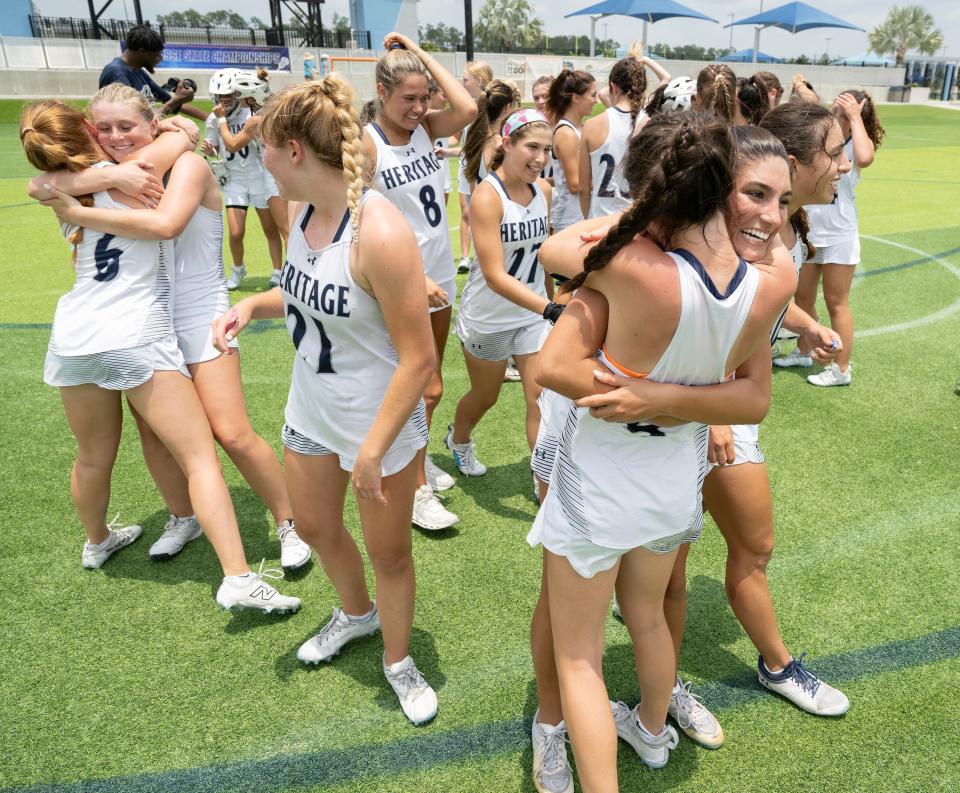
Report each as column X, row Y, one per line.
column 929, row 319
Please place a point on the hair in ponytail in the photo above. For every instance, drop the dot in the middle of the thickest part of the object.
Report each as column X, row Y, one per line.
column 753, row 97
column 321, row 115
column 566, row 85
column 868, row 114
column 495, row 102
column 54, row 138
column 716, row 90
column 679, row 169
column 630, row 76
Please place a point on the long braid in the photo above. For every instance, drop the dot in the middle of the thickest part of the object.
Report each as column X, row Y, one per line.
column 723, row 101
column 351, row 149
column 638, row 88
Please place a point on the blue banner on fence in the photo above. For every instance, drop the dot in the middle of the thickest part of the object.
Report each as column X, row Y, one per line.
column 224, row 56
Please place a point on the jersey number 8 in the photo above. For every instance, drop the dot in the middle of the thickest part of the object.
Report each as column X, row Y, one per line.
column 312, row 343
column 431, row 209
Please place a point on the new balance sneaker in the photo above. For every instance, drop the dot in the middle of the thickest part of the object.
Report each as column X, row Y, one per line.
column 463, row 266
column 512, row 374
column 794, row 358
column 551, row 768
column 238, row 274
column 429, row 513
column 803, row 688
column 832, row 376
column 94, row 556
column 417, row 698
column 294, row 552
column 251, row 591
column 275, row 278
column 653, row 750
column 177, row 532
column 438, row 479
column 464, row 456
column 341, row 630
column 693, row 718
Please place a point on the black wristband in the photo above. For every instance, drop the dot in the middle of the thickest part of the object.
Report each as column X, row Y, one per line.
column 553, row 311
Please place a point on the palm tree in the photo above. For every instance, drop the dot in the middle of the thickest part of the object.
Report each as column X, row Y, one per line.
column 505, row 24
column 906, row 28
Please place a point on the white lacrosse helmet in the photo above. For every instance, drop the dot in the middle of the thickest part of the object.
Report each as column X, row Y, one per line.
column 249, row 86
column 678, row 95
column 222, row 82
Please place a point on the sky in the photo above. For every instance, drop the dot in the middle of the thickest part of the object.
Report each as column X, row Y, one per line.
column 865, row 13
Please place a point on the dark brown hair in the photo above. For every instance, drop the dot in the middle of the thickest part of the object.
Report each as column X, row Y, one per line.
column 716, row 91
column 773, row 84
column 868, row 113
column 566, row 85
column 498, row 97
column 753, row 97
column 679, row 169
column 630, row 76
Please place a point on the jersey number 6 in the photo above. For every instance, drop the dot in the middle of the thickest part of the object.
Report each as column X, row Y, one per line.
column 106, row 259
column 314, row 348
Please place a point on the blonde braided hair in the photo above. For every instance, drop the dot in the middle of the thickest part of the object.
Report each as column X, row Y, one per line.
column 321, row 115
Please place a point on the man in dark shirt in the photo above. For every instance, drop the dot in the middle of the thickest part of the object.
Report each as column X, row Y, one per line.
column 144, row 50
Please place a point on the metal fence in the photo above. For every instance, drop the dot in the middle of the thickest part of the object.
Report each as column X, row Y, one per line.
column 80, row 28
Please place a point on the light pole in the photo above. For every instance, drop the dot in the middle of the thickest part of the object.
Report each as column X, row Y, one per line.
column 731, row 30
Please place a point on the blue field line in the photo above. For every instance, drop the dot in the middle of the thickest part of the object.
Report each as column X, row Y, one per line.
column 422, row 753
column 14, row 206
column 907, row 265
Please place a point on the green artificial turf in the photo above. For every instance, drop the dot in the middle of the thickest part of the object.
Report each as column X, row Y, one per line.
column 128, row 678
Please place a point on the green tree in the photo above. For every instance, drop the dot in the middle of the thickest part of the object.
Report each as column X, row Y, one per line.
column 441, row 36
column 505, row 24
column 341, row 23
column 256, row 22
column 184, row 19
column 906, row 28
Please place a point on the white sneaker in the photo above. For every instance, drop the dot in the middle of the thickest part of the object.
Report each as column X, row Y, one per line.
column 464, row 456
column 803, row 688
column 177, row 532
column 294, row 552
column 653, row 750
column 463, row 266
column 275, row 278
column 429, row 513
column 783, row 333
column 94, row 556
column 693, row 718
column 551, row 768
column 238, row 274
column 417, row 698
column 251, row 591
column 512, row 374
column 617, row 614
column 438, row 479
column 832, row 376
column 794, row 358
column 341, row 630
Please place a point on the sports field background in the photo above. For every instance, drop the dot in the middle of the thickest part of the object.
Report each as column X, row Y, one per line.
column 130, row 679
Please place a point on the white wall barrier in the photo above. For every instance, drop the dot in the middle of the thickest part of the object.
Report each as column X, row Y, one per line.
column 38, row 68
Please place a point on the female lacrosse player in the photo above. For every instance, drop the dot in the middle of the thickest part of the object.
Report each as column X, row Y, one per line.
column 572, row 96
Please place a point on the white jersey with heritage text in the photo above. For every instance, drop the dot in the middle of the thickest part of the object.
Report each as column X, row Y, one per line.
column 344, row 356
column 609, row 192
column 411, row 178
column 566, row 206
column 837, row 222
column 523, row 229
column 621, row 486
column 121, row 297
column 243, row 164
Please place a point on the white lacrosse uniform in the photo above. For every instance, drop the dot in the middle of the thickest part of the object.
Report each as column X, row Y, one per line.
column 615, row 486
column 463, row 186
column 442, row 143
column 609, row 192
column 833, row 227
column 344, row 360
column 200, row 293
column 411, row 178
column 566, row 206
column 114, row 328
column 490, row 326
column 245, row 184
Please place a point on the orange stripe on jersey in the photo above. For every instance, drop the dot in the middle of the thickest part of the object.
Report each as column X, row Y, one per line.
column 627, row 372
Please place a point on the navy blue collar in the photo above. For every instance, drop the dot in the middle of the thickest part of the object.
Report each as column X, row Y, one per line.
column 383, row 135
column 340, row 229
column 306, row 218
column 698, row 268
column 507, row 192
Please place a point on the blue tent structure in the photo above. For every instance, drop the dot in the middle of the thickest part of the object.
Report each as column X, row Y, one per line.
column 748, row 56
column 864, row 59
column 648, row 10
column 792, row 17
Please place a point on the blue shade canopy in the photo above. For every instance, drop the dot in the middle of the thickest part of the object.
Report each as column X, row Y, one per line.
column 795, row 17
column 746, row 56
column 647, row 10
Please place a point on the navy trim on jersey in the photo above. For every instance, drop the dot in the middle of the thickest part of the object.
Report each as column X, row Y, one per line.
column 506, row 192
column 306, row 218
column 342, row 227
column 621, row 110
column 698, row 268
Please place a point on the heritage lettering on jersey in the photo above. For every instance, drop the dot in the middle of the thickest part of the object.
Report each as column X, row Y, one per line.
column 420, row 168
column 524, row 230
column 329, row 299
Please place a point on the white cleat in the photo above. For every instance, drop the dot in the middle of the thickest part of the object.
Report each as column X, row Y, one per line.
column 94, row 556
column 417, row 699
column 251, row 591
column 294, row 552
column 551, row 766
column 438, row 479
column 429, row 513
column 803, row 688
column 653, row 750
column 794, row 358
column 177, row 532
column 831, row 376
column 275, row 278
column 238, row 274
column 692, row 716
column 464, row 456
column 338, row 632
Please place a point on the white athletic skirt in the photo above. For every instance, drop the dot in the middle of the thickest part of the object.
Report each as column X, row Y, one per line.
column 746, row 445
column 395, row 460
column 502, row 344
column 846, row 252
column 196, row 344
column 115, row 370
column 450, row 287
